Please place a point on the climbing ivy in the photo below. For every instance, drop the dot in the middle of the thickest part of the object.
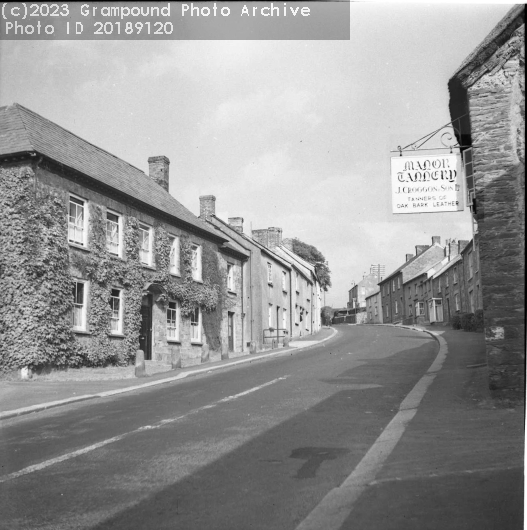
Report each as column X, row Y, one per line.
column 36, row 283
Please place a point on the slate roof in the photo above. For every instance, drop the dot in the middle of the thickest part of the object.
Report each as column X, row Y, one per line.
column 305, row 268
column 424, row 270
column 22, row 131
column 454, row 260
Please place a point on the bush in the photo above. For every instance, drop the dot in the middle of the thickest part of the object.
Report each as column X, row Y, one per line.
column 456, row 322
column 479, row 320
column 468, row 322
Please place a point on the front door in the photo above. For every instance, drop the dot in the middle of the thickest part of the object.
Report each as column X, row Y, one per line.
column 231, row 331
column 145, row 335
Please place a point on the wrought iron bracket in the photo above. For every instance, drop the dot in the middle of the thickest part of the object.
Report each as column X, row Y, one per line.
column 446, row 133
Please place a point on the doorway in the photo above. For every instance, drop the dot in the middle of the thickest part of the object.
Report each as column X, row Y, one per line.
column 230, row 333
column 145, row 334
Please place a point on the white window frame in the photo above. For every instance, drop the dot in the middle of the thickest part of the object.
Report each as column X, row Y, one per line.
column 196, row 262
column 439, row 284
column 297, row 286
column 398, row 282
column 270, row 316
column 284, row 318
column 455, row 275
column 396, row 307
column 79, row 310
column 375, row 309
column 116, row 317
column 446, row 280
column 297, row 315
column 393, row 286
column 119, row 224
column 270, row 273
column 284, row 281
column 145, row 250
column 195, row 325
column 173, row 318
column 174, row 255
column 74, row 226
column 456, row 302
column 470, row 258
column 420, row 309
column 230, row 277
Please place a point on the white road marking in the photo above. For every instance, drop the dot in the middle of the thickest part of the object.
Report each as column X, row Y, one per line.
column 335, row 507
column 159, row 424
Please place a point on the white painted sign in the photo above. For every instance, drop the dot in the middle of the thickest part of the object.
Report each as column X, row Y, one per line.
column 427, row 183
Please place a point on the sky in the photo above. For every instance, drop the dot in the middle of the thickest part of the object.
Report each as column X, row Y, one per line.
column 290, row 134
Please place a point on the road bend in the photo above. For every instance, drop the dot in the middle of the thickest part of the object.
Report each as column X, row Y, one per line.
column 253, row 446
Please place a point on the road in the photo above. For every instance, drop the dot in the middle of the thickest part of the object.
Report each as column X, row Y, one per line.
column 256, row 446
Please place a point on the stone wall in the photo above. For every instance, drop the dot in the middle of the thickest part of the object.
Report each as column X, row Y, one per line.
column 497, row 111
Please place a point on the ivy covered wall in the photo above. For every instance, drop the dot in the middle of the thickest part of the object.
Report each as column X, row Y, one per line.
column 38, row 265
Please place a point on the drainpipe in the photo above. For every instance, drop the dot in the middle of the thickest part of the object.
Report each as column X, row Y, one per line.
column 291, row 304
column 243, row 305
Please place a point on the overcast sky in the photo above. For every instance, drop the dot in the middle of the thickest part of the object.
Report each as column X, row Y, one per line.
column 292, row 134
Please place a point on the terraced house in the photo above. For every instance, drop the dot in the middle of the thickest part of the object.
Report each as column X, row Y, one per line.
column 100, row 259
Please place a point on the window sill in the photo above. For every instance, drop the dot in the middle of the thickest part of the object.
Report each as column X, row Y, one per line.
column 284, row 291
column 196, row 343
column 197, row 280
column 176, row 274
column 116, row 335
column 80, row 247
column 116, row 256
column 147, row 266
column 270, row 284
column 81, row 332
column 173, row 341
column 232, row 293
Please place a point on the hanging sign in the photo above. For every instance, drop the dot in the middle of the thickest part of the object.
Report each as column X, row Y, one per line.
column 427, row 183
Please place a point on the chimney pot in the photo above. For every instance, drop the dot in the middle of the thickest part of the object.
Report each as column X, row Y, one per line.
column 419, row 249
column 207, row 206
column 436, row 240
column 274, row 236
column 236, row 223
column 158, row 170
column 409, row 257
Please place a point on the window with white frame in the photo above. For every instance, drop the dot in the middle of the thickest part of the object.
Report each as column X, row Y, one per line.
column 455, row 274
column 456, row 301
column 398, row 282
column 269, row 273
column 297, row 286
column 284, row 318
column 270, row 316
column 297, row 315
column 471, row 300
column 396, row 307
column 173, row 313
column 284, row 281
column 113, row 233
column 386, row 310
column 196, row 262
column 78, row 221
column 195, row 325
column 439, row 285
column 145, row 244
column 116, row 316
column 80, row 299
column 393, row 286
column 446, row 279
column 174, row 255
column 420, row 309
column 375, row 310
column 230, row 276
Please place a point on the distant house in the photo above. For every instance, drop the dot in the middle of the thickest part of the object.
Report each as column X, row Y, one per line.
column 392, row 287
column 374, row 308
column 361, row 290
column 112, row 263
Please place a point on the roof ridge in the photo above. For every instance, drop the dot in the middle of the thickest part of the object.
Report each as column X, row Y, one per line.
column 18, row 105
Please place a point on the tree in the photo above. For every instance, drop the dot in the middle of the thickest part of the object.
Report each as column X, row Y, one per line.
column 327, row 313
column 312, row 255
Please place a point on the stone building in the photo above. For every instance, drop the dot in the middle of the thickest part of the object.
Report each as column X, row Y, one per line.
column 361, row 290
column 374, row 308
column 145, row 272
column 303, row 290
column 392, row 287
column 487, row 103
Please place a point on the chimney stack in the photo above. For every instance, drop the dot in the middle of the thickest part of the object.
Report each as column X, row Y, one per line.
column 409, row 257
column 275, row 237
column 158, row 170
column 419, row 249
column 261, row 237
column 462, row 244
column 236, row 223
column 436, row 240
column 207, row 206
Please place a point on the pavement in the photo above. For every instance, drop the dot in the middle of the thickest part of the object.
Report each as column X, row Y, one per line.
column 25, row 397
